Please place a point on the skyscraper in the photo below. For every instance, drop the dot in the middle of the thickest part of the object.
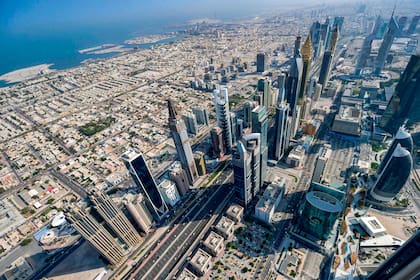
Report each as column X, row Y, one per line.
column 390, row 34
column 190, row 122
column 413, row 25
column 306, row 59
column 405, row 102
column 169, row 192
column 137, row 208
column 402, row 21
column 246, row 167
column 338, row 21
column 139, row 171
column 328, row 57
column 248, row 107
column 260, row 126
column 315, row 34
column 180, row 177
column 282, row 126
column 95, row 234
column 182, row 143
column 233, row 126
column 221, row 101
column 364, row 54
column 261, row 62
column 293, row 81
column 115, row 218
column 200, row 162
column 201, row 115
column 265, row 86
column 404, row 263
column 297, row 46
column 393, row 176
column 404, row 139
column 216, row 135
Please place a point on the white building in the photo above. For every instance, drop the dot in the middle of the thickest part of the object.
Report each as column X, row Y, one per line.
column 169, row 192
column 372, row 226
column 269, row 201
column 221, row 102
column 296, row 156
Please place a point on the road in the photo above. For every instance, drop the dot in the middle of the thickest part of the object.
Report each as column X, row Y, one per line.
column 172, row 247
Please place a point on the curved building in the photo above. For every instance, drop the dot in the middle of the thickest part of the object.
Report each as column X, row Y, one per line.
column 394, row 175
column 320, row 213
column 404, row 139
column 221, row 102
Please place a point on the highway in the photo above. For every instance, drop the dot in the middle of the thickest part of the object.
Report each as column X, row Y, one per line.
column 172, row 247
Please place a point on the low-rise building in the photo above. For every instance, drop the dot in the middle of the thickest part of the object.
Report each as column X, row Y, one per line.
column 214, row 244
column 235, row 212
column 225, row 227
column 372, row 226
column 347, row 121
column 266, row 206
column 201, row 262
column 296, row 156
column 187, row 275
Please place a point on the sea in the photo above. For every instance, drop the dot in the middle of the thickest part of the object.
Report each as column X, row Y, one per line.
column 60, row 46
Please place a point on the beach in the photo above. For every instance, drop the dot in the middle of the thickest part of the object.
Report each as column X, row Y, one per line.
column 26, row 73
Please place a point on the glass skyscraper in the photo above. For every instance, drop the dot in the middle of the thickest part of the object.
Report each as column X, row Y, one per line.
column 394, row 175
column 143, row 178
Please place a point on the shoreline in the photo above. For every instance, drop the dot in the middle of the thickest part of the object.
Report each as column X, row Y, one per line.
column 27, row 73
column 24, row 74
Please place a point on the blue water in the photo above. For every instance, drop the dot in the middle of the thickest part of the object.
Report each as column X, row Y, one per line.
column 60, row 46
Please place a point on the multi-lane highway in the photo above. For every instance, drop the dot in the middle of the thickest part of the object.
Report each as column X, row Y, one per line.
column 172, row 247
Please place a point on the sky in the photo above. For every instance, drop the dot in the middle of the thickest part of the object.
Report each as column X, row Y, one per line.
column 27, row 15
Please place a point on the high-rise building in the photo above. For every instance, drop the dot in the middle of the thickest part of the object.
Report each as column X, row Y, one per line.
column 316, row 42
column 393, row 176
column 169, row 192
column 404, row 263
column 260, row 126
column 190, row 122
column 139, row 171
column 202, row 115
column 282, row 126
column 306, row 59
column 182, row 143
column 328, row 58
column 405, row 102
column 95, row 234
column 233, row 126
column 261, row 62
column 217, row 142
column 248, row 107
column 293, row 81
column 115, row 218
column 200, row 162
column 323, row 205
column 264, row 85
column 364, row 54
column 246, row 167
column 338, row 21
column 239, row 128
column 404, row 139
column 389, row 37
column 402, row 22
column 377, row 28
column 180, row 177
column 297, row 46
column 413, row 25
column 221, row 101
column 137, row 208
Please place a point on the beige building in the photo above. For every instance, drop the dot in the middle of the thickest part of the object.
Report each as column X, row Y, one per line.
column 214, row 244
column 226, row 227
column 235, row 212
column 201, row 262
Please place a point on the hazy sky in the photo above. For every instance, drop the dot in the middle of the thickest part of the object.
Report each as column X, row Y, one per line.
column 19, row 15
